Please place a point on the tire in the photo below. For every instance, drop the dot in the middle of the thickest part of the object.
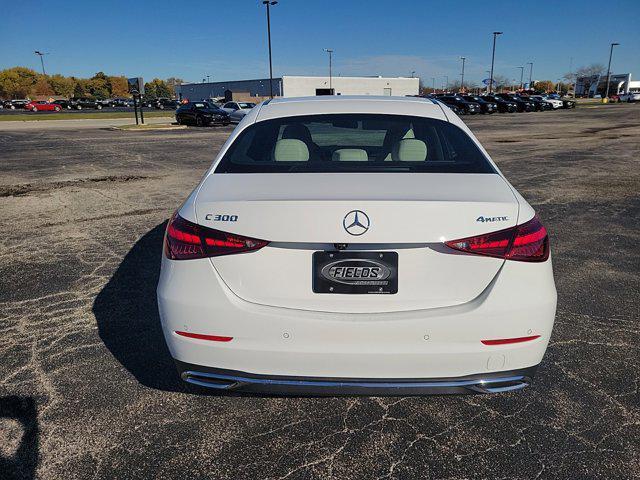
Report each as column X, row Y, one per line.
column 161, row 107
column 34, row 109
column 178, row 121
column 98, row 107
column 199, row 122
column 56, row 109
column 68, row 107
column 78, row 107
column 12, row 107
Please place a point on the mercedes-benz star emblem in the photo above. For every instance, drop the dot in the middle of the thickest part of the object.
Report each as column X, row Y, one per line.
column 356, row 222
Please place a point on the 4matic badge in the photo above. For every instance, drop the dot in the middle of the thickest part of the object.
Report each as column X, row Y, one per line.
column 491, row 219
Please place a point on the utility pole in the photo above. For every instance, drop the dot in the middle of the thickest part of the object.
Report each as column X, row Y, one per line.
column 606, row 95
column 530, row 72
column 269, row 3
column 41, row 54
column 493, row 57
column 330, row 52
column 462, row 74
column 521, row 74
column 433, row 84
column 446, row 85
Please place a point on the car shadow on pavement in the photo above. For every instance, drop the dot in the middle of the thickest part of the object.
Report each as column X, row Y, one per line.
column 126, row 312
column 19, row 451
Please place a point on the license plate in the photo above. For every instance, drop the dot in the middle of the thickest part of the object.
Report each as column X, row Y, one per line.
column 355, row 272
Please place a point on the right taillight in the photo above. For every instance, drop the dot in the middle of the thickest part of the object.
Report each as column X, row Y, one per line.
column 528, row 242
column 185, row 240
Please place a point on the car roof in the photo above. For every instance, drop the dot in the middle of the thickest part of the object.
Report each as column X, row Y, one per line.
column 327, row 104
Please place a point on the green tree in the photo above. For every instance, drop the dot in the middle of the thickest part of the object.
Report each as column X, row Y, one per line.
column 157, row 88
column 62, row 85
column 17, row 82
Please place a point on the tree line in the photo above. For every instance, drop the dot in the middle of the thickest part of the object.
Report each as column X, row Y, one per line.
column 21, row 82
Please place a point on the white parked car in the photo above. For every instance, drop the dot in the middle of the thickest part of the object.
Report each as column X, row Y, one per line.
column 631, row 96
column 555, row 103
column 360, row 245
column 237, row 110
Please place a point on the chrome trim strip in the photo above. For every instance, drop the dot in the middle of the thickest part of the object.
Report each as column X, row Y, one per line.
column 477, row 385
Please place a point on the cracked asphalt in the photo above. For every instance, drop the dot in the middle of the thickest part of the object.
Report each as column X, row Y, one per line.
column 87, row 389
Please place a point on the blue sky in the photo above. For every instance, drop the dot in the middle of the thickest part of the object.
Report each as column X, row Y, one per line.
column 227, row 39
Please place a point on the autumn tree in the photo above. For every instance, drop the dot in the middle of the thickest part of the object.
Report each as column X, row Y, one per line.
column 544, row 85
column 17, row 82
column 42, row 87
column 61, row 85
column 119, row 86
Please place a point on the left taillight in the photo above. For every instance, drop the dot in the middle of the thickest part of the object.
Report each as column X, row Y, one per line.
column 185, row 240
column 528, row 242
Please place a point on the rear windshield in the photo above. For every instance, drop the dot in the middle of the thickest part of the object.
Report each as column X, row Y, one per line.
column 353, row 143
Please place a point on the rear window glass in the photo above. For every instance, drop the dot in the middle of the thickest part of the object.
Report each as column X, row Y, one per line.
column 353, row 143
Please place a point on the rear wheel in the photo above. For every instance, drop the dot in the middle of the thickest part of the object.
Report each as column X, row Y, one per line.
column 57, row 109
column 99, row 107
column 79, row 107
column 199, row 122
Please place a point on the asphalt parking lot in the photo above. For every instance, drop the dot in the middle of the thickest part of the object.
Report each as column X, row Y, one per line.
column 87, row 388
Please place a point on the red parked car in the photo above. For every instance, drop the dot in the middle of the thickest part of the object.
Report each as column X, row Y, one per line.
column 42, row 105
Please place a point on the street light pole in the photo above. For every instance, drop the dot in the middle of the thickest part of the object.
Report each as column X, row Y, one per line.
column 462, row 74
column 521, row 74
column 433, row 84
column 606, row 95
column 330, row 52
column 530, row 72
column 446, row 85
column 493, row 57
column 269, row 3
column 41, row 54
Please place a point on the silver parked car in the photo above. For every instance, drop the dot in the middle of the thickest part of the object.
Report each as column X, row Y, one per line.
column 237, row 110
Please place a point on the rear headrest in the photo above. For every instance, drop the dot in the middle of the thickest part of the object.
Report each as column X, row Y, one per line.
column 297, row 131
column 409, row 150
column 290, row 150
column 350, row 155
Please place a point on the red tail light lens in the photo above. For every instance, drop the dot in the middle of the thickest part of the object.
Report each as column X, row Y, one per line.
column 185, row 240
column 528, row 242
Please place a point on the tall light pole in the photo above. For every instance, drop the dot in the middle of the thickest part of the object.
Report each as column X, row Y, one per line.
column 493, row 57
column 446, row 85
column 462, row 74
column 269, row 3
column 530, row 72
column 433, row 84
column 330, row 52
column 521, row 75
column 606, row 95
column 41, row 54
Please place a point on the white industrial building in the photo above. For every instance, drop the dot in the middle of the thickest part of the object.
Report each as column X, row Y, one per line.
column 299, row 86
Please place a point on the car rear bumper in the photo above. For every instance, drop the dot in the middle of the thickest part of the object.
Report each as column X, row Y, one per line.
column 232, row 380
column 439, row 343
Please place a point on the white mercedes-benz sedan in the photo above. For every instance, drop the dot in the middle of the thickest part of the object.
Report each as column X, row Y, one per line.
column 356, row 245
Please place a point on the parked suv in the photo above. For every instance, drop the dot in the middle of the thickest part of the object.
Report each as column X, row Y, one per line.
column 485, row 105
column 522, row 105
column 162, row 103
column 83, row 102
column 464, row 105
column 504, row 106
column 17, row 104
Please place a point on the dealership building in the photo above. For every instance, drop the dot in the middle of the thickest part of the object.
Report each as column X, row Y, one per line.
column 298, row 86
column 596, row 85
